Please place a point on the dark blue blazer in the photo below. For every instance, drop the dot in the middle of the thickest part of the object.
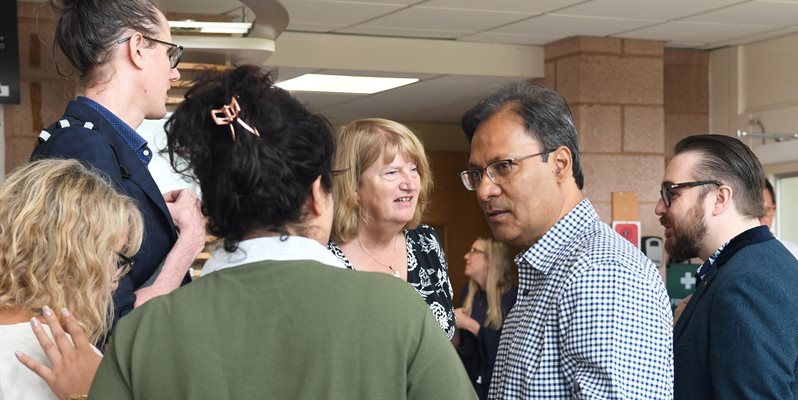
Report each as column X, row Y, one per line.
column 103, row 149
column 738, row 335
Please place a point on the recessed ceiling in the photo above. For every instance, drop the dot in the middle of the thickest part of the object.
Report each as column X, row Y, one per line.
column 441, row 96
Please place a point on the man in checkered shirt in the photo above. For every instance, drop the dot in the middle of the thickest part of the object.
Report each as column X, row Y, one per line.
column 592, row 319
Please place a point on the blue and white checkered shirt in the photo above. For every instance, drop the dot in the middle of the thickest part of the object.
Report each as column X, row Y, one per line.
column 592, row 320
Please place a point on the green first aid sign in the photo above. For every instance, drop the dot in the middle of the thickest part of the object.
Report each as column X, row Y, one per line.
column 680, row 281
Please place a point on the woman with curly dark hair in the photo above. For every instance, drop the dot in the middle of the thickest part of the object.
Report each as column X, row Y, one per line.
column 276, row 314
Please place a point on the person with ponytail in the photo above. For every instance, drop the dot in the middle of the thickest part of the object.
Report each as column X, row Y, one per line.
column 123, row 55
column 488, row 298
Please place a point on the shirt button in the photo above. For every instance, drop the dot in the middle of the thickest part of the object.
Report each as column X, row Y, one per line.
column 146, row 152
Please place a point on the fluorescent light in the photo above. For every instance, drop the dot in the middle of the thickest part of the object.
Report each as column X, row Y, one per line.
column 211, row 27
column 343, row 83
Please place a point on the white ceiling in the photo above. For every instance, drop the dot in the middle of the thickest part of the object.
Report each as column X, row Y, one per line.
column 442, row 97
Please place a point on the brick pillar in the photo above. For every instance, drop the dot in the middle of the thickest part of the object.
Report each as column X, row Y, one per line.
column 615, row 90
column 686, row 95
column 43, row 92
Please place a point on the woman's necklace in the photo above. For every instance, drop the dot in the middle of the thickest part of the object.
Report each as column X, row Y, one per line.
column 393, row 256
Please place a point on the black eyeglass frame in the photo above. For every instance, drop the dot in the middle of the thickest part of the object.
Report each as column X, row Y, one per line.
column 174, row 59
column 511, row 161
column 124, row 265
column 665, row 189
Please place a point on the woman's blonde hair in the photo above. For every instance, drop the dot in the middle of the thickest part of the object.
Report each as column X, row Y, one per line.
column 359, row 145
column 500, row 280
column 60, row 224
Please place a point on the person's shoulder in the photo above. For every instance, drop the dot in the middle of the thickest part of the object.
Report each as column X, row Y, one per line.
column 602, row 246
column 422, row 230
column 781, row 264
column 75, row 141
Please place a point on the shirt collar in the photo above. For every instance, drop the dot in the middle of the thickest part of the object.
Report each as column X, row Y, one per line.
column 128, row 134
column 270, row 248
column 546, row 253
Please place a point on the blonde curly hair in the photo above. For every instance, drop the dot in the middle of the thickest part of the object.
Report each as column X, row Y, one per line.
column 60, row 224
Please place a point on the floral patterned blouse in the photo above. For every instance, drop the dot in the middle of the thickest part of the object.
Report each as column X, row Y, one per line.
column 427, row 272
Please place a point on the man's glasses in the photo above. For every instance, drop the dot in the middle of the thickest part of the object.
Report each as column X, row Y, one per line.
column 123, row 266
column 666, row 191
column 175, row 51
column 498, row 172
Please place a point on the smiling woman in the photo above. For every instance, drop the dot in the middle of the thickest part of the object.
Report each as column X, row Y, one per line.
column 381, row 189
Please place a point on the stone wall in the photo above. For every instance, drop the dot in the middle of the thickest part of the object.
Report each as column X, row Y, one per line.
column 43, row 92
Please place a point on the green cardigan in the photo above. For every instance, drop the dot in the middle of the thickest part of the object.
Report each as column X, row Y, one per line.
column 283, row 330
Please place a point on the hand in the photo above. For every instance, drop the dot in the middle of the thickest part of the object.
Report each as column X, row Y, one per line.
column 185, row 209
column 74, row 362
column 464, row 321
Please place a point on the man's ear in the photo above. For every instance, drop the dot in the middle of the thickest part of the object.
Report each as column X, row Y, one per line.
column 723, row 199
column 563, row 161
column 134, row 49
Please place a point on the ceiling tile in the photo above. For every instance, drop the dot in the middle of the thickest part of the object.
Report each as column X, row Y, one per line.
column 564, row 26
column 509, row 38
column 379, row 74
column 752, row 38
column 286, row 73
column 445, row 19
column 516, row 6
column 383, row 2
column 694, row 32
column 753, row 13
column 316, row 101
column 313, row 27
column 399, row 32
column 645, row 9
column 418, row 97
column 339, row 13
column 445, row 114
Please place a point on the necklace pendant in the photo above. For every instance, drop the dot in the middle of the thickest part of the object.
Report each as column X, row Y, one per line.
column 395, row 273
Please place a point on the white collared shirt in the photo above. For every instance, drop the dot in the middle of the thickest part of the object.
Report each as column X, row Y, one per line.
column 270, row 248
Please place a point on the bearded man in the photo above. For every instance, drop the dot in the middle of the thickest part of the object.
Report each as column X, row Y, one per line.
column 737, row 336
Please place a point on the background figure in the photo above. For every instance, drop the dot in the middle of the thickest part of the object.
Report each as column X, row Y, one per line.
column 736, row 337
column 769, row 196
column 592, row 318
column 381, row 188
column 121, row 50
column 63, row 232
column 279, row 315
column 487, row 299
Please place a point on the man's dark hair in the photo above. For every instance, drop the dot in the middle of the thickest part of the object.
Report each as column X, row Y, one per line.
column 730, row 161
column 770, row 190
column 88, row 30
column 250, row 183
column 545, row 115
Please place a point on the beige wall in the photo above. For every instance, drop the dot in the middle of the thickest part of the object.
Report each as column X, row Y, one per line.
column 758, row 80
